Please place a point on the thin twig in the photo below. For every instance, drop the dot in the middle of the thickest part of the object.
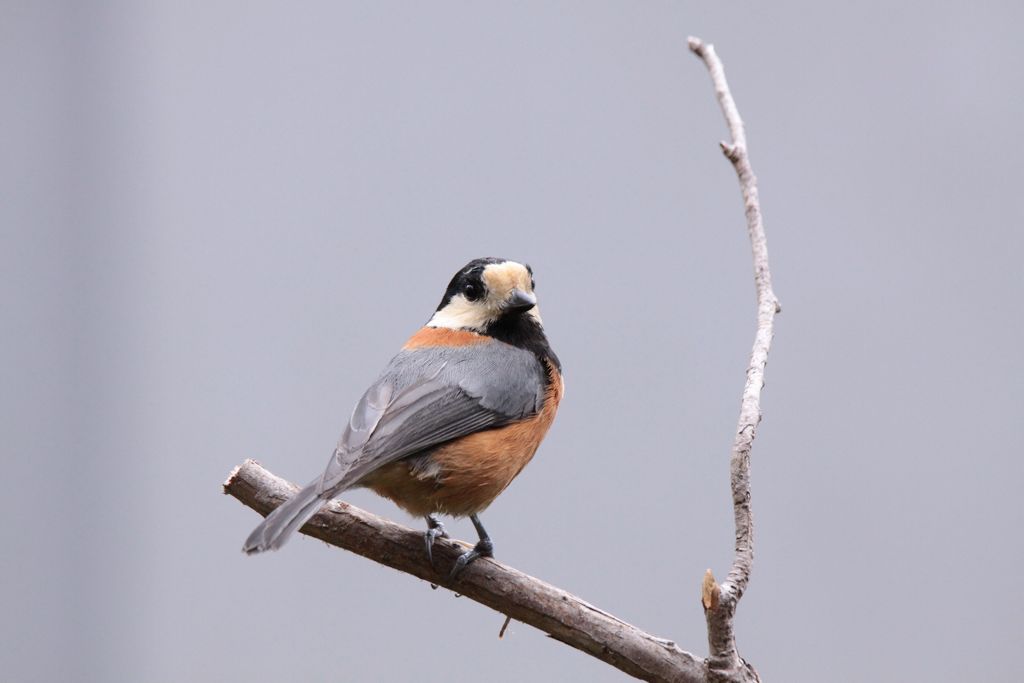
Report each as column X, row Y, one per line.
column 518, row 596
column 724, row 660
column 501, row 633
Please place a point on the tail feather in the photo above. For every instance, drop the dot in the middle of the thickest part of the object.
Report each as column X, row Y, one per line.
column 273, row 531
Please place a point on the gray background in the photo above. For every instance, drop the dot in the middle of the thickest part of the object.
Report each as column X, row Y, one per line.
column 221, row 219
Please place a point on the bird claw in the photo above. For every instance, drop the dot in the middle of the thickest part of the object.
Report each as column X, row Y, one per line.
column 434, row 531
column 482, row 549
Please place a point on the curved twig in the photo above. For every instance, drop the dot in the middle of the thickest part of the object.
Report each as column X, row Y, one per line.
column 531, row 601
column 725, row 662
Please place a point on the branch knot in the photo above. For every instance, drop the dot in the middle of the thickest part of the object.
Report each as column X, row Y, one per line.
column 732, row 152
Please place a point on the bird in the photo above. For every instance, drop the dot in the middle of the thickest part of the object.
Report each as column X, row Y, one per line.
column 454, row 417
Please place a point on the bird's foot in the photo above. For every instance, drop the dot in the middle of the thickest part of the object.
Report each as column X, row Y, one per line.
column 484, row 548
column 434, row 530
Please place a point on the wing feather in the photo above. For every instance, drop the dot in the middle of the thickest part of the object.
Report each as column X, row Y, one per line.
column 428, row 396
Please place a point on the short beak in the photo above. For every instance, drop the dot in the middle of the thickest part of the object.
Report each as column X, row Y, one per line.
column 519, row 302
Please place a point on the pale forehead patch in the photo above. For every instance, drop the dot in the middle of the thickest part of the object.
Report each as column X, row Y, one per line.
column 502, row 278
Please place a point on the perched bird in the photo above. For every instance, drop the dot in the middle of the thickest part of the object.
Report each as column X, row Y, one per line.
column 454, row 417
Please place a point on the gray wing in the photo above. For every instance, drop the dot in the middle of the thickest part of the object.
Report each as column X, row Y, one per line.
column 431, row 395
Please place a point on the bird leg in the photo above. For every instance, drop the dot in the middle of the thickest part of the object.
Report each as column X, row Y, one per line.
column 434, row 530
column 483, row 548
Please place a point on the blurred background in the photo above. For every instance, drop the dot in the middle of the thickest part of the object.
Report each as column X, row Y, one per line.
column 221, row 219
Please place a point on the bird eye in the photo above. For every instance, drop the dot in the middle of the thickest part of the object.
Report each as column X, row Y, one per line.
column 533, row 284
column 471, row 291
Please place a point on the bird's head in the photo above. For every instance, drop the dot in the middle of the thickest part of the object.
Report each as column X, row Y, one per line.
column 485, row 292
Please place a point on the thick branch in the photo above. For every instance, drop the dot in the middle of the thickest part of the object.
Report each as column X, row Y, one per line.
column 724, row 660
column 559, row 614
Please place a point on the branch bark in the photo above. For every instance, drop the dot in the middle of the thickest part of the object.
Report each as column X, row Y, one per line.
column 524, row 598
column 724, row 662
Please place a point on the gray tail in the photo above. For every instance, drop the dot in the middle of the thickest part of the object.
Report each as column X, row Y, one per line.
column 273, row 531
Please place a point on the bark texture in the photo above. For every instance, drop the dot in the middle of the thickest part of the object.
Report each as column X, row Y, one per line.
column 724, row 662
column 524, row 598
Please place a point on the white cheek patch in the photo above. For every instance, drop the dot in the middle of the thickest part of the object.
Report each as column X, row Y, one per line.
column 461, row 313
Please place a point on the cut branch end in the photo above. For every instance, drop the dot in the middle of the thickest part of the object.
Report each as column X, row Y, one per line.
column 710, row 592
column 231, row 478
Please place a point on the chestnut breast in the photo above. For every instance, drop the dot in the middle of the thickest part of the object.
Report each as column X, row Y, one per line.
column 463, row 476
